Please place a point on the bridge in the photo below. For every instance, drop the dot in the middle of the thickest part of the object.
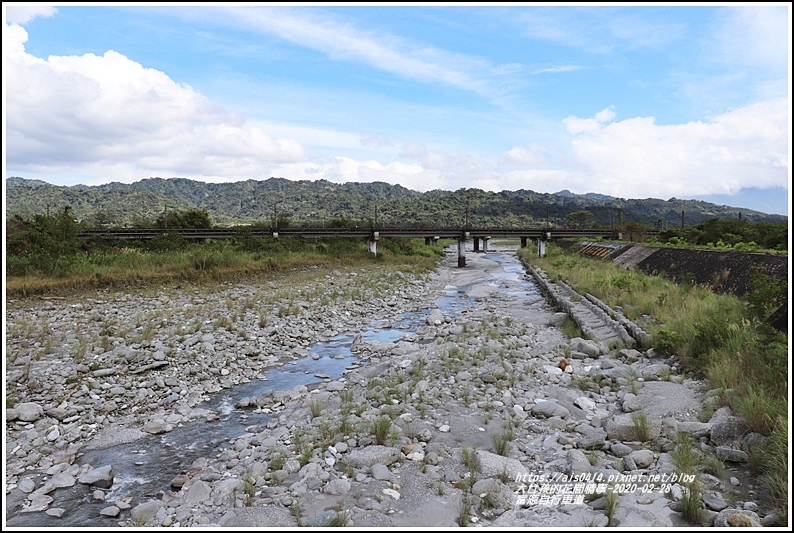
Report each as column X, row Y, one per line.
column 431, row 235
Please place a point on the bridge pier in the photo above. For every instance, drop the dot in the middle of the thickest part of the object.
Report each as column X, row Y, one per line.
column 476, row 241
column 373, row 243
column 541, row 248
column 485, row 244
column 462, row 251
column 523, row 242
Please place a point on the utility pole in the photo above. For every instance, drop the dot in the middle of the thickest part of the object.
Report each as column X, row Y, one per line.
column 682, row 219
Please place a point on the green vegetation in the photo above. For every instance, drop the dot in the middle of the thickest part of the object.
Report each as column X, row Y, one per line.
column 357, row 204
column 44, row 254
column 740, row 235
column 720, row 338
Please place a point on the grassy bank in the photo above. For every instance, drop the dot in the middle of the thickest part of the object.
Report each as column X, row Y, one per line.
column 102, row 266
column 718, row 338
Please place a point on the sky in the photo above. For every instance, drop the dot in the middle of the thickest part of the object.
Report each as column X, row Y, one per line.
column 645, row 101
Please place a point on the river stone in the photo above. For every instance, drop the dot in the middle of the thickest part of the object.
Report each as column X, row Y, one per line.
column 592, row 440
column 142, row 513
column 737, row 518
column 642, row 458
column 577, row 462
column 111, row 511
column 198, row 492
column 618, row 449
column 549, row 408
column 733, row 455
column 374, row 454
column 38, row 502
column 714, row 502
column 589, row 347
column 725, row 428
column 492, row 465
column 28, row 411
column 337, row 487
column 380, row 472
column 100, row 477
column 26, row 485
column 622, row 428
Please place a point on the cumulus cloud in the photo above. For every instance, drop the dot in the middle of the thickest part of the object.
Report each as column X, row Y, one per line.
column 66, row 111
column 744, row 147
column 24, row 14
column 520, row 155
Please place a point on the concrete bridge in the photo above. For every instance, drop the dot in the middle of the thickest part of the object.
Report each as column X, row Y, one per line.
column 431, row 235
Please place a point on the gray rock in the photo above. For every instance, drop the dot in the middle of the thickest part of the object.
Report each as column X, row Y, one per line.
column 198, row 492
column 111, row 511
column 726, row 453
column 99, row 477
column 142, row 513
column 547, row 409
column 623, row 428
column 28, row 411
column 642, row 458
column 374, row 454
column 337, row 487
column 593, row 440
column 618, row 449
column 492, row 465
column 713, row 502
column 380, row 472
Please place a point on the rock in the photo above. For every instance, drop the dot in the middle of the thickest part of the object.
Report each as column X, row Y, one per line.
column 28, row 411
column 585, row 403
column 736, row 518
column 111, row 511
column 589, row 347
column 577, row 462
column 337, row 487
column 713, row 502
column 142, row 513
column 198, row 492
column 725, row 428
column 374, row 454
column 592, row 440
column 642, row 458
column 57, row 512
column 380, row 472
column 99, row 477
column 618, row 449
column 492, row 465
column 623, row 428
column 26, row 485
column 549, row 408
column 726, row 453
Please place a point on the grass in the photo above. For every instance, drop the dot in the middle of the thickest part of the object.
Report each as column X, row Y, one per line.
column 464, row 517
column 501, row 442
column 315, row 407
column 469, row 458
column 381, row 429
column 642, row 426
column 611, row 506
column 691, row 507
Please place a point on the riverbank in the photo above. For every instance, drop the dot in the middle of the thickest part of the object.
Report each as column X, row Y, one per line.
column 441, row 427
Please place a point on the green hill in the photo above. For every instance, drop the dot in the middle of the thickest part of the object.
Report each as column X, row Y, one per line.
column 316, row 202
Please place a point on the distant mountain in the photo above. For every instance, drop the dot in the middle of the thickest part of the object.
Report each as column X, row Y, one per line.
column 317, row 202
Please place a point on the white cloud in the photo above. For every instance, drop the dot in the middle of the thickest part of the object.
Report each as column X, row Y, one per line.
column 755, row 36
column 24, row 14
column 342, row 41
column 520, row 155
column 92, row 110
column 636, row 158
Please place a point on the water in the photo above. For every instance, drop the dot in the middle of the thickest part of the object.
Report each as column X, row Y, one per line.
column 144, row 468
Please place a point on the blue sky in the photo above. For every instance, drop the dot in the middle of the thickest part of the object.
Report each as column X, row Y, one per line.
column 645, row 101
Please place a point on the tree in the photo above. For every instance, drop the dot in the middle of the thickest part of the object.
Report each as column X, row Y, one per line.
column 579, row 219
column 192, row 218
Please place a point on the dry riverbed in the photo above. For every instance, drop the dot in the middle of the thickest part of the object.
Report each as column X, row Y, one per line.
column 467, row 419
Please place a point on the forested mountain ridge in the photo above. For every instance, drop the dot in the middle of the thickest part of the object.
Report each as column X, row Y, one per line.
column 379, row 203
